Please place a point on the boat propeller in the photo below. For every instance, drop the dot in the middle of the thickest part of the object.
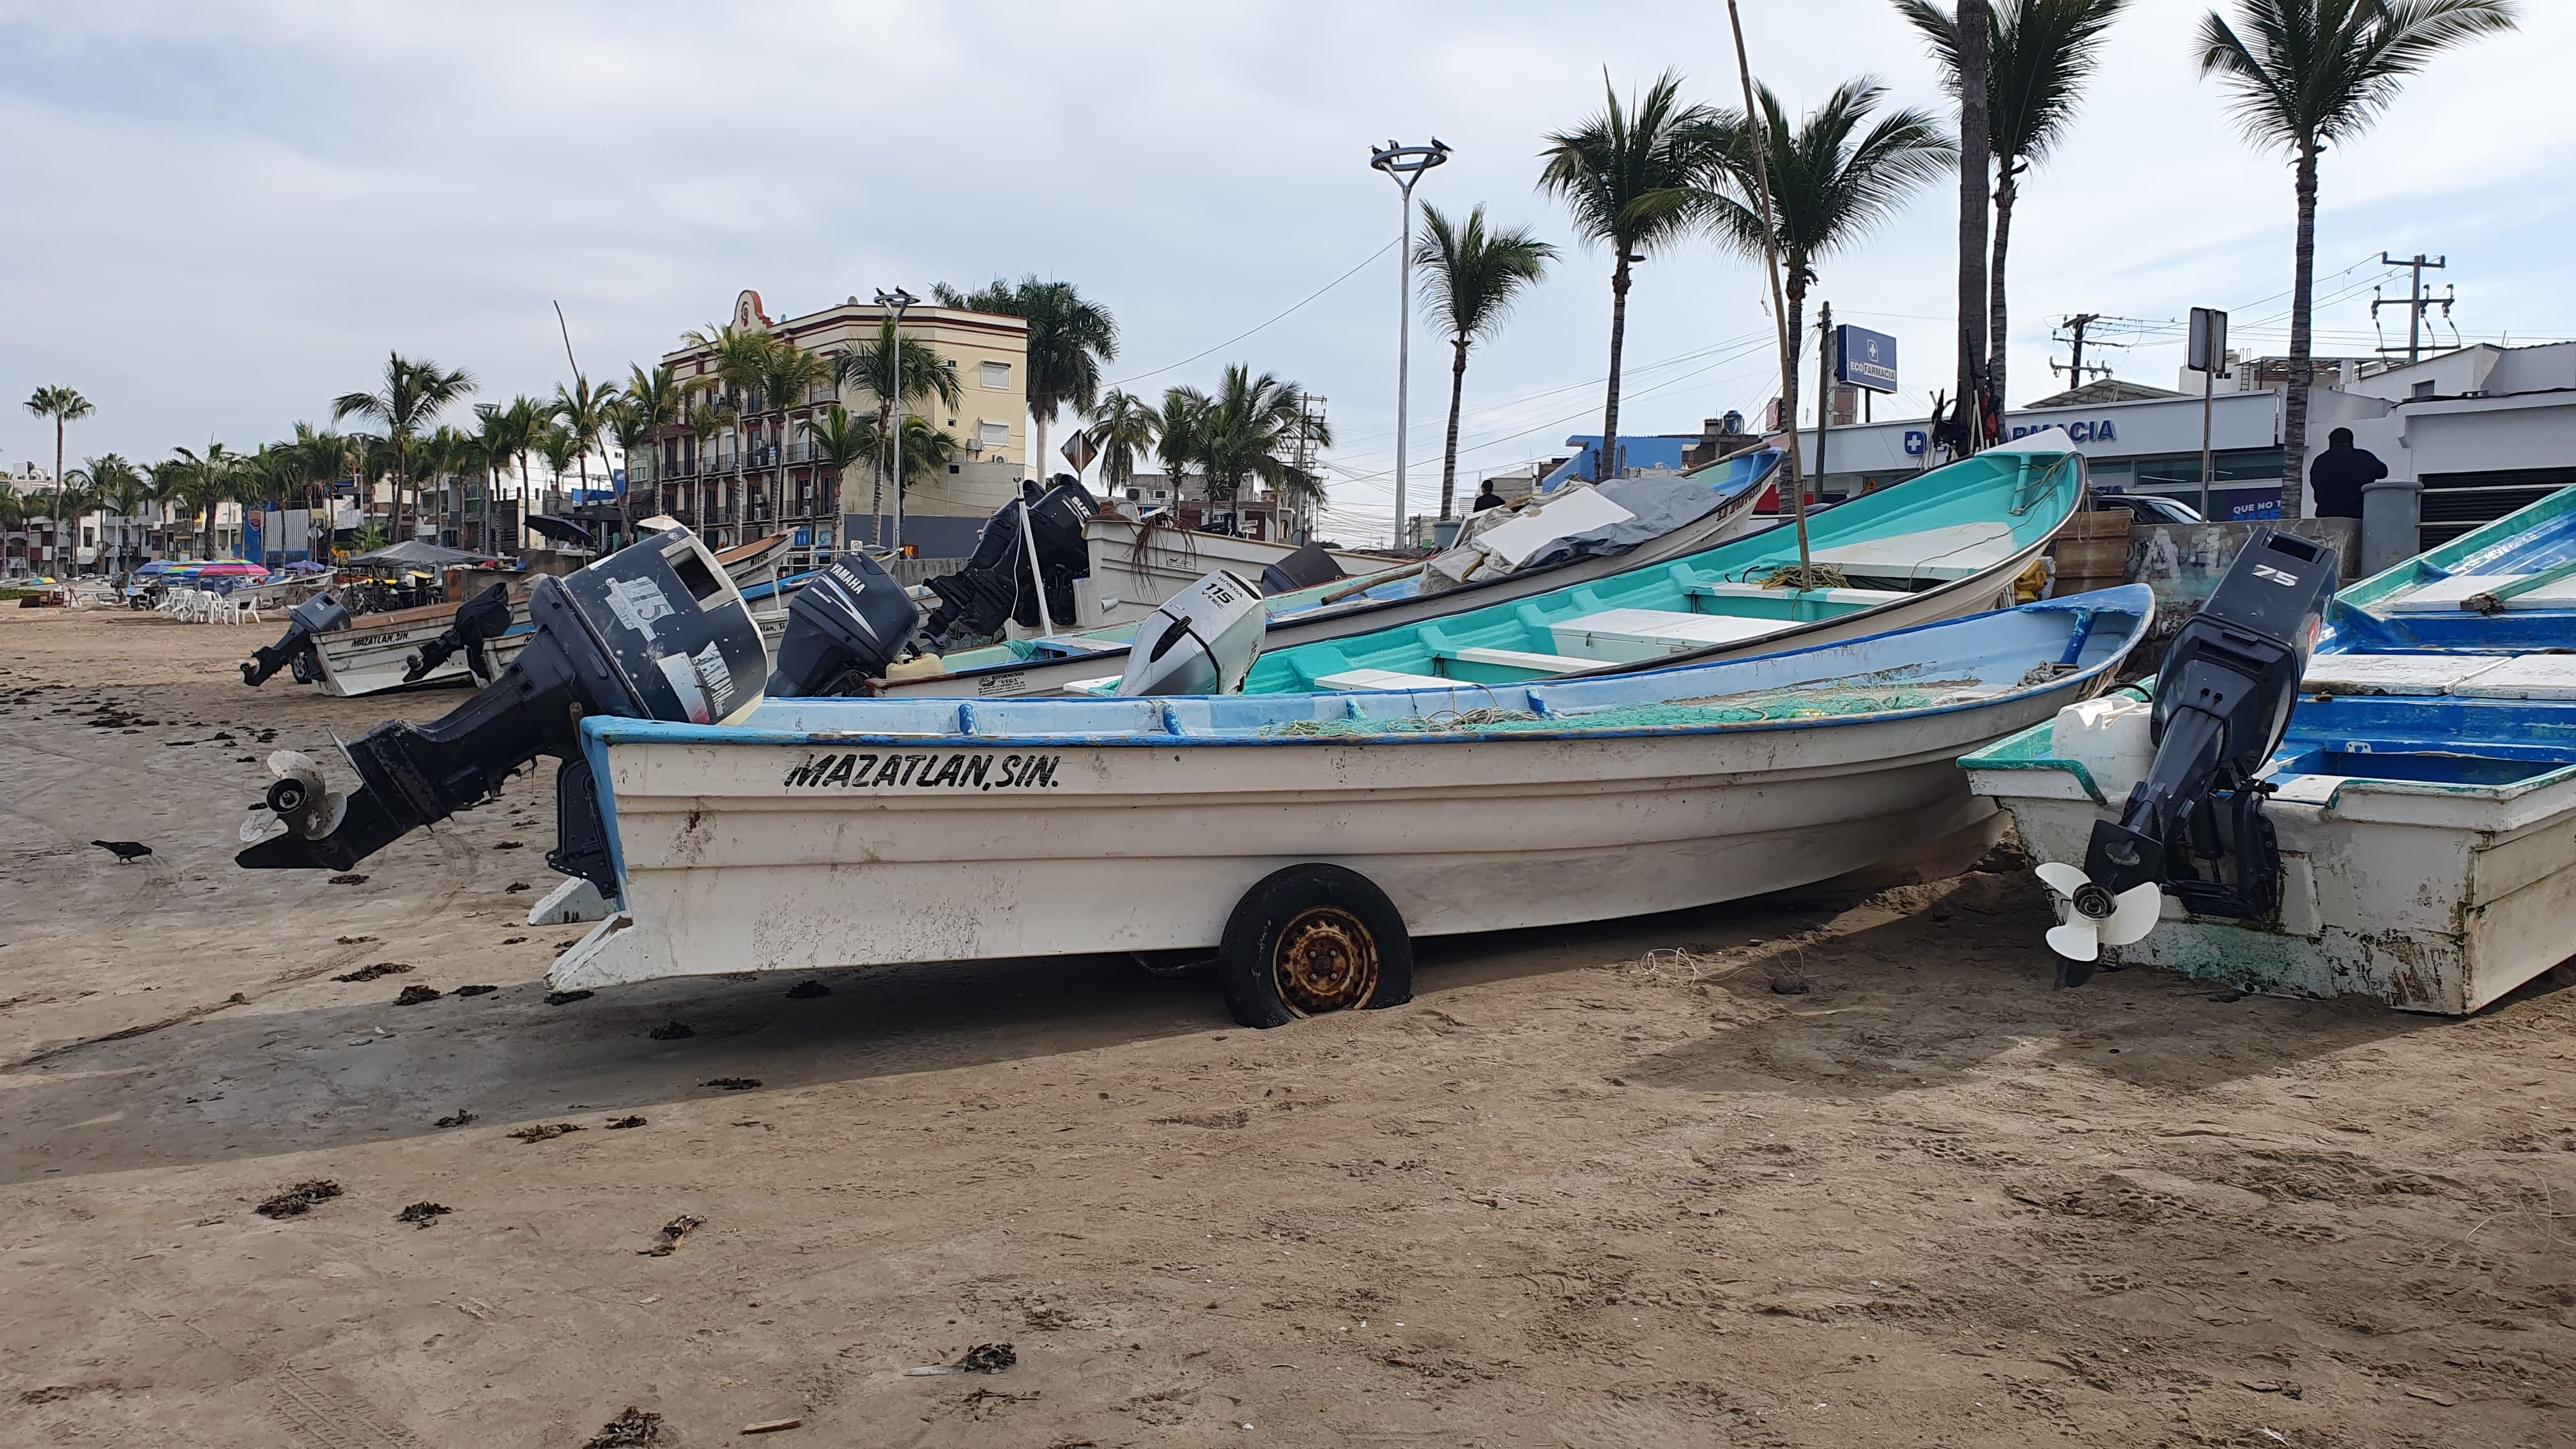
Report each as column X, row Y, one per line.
column 2222, row 705
column 297, row 799
column 317, row 615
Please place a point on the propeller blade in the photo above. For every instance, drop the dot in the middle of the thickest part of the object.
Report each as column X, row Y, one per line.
column 286, row 764
column 2060, row 877
column 257, row 825
column 2136, row 915
column 2076, row 941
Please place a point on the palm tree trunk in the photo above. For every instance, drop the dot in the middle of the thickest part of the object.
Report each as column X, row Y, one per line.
column 59, row 556
column 1608, row 467
column 1449, row 455
column 2007, row 191
column 1038, row 466
column 1976, row 135
column 2303, row 278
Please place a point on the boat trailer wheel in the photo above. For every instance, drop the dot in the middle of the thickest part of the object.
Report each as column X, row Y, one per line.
column 1310, row 940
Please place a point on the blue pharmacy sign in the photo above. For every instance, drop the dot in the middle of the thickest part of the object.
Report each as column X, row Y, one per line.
column 1917, row 441
column 1863, row 358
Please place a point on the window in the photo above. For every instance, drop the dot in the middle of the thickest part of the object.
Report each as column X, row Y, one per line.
column 2423, row 389
column 997, row 376
column 992, row 434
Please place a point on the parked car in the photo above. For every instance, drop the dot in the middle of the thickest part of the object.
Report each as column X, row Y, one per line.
column 2149, row 507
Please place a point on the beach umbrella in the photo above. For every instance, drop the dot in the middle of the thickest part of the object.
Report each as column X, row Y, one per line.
column 307, row 566
column 233, row 568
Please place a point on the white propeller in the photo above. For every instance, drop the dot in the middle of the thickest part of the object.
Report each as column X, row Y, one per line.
column 311, row 810
column 2130, row 916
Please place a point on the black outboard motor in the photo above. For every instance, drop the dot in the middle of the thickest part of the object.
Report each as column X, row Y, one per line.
column 654, row 631
column 994, row 585
column 853, row 618
column 479, row 620
column 2222, row 704
column 317, row 615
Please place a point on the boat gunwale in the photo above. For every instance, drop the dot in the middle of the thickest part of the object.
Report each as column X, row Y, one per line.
column 603, row 732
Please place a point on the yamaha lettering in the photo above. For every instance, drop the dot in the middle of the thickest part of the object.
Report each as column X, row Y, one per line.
column 897, row 770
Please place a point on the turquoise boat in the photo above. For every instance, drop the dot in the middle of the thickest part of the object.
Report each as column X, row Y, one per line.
column 1943, row 545
column 1078, row 663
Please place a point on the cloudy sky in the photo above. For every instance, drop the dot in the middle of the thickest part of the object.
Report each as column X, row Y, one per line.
column 223, row 214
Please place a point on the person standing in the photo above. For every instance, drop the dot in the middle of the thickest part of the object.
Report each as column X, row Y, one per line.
column 2337, row 475
column 1487, row 497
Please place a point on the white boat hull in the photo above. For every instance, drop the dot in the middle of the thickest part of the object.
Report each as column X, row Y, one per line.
column 775, row 857
column 1126, row 583
column 369, row 659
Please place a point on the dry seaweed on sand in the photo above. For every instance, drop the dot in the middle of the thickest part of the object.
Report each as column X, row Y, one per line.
column 422, row 1214
column 626, row 1430
column 415, row 994
column 674, row 1232
column 299, row 1199
column 544, row 1130
column 370, row 973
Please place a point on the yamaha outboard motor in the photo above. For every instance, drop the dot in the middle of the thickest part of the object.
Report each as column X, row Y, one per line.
column 479, row 620
column 852, row 618
column 1202, row 640
column 317, row 615
column 2222, row 705
column 654, row 631
column 995, row 584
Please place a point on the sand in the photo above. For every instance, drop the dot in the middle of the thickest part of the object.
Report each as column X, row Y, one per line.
column 1593, row 1187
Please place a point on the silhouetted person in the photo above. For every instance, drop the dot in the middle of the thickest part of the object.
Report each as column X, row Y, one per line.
column 1487, row 497
column 2338, row 474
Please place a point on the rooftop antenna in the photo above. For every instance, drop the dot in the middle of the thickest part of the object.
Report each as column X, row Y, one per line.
column 1779, row 300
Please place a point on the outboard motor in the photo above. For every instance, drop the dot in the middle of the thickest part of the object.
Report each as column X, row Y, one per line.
column 2222, row 704
column 1202, row 640
column 852, row 618
column 479, row 620
column 317, row 615
column 995, row 585
column 654, row 631
column 1304, row 569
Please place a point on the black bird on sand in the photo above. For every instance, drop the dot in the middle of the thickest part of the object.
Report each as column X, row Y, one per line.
column 124, row 850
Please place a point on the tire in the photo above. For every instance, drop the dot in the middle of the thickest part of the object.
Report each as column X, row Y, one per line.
column 1311, row 940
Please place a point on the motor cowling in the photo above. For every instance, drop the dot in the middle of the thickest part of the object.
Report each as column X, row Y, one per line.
column 654, row 631
column 320, row 614
column 1202, row 640
column 852, row 618
column 995, row 584
column 479, row 621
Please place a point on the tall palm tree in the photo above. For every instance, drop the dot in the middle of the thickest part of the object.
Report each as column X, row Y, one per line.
column 2307, row 74
column 632, row 426
column 927, row 447
column 1069, row 337
column 201, row 483
column 1832, row 182
column 583, row 410
column 1177, row 428
column 657, row 398
column 894, row 370
column 2042, row 52
column 1245, row 432
column 787, row 373
column 731, row 380
column 412, row 395
column 1976, row 128
column 841, row 438
column 122, row 490
column 557, row 445
column 1635, row 177
column 63, row 405
column 1122, row 427
column 506, row 431
column 1470, row 279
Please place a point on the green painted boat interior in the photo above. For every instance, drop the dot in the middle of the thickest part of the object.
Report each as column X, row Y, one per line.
column 1883, row 548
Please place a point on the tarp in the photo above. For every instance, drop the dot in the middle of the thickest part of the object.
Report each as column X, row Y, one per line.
column 413, row 553
column 1581, row 520
column 1656, row 506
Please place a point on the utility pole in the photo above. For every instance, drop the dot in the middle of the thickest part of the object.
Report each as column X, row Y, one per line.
column 2074, row 368
column 2416, row 301
column 1404, row 165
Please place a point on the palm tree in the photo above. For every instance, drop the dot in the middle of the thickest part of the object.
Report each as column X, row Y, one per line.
column 658, row 398
column 927, row 448
column 894, row 370
column 1245, row 431
column 1976, row 130
column 2042, row 53
column 732, row 379
column 75, row 498
column 63, row 405
column 411, row 397
column 122, row 489
column 557, row 445
column 1831, row 184
column 584, row 413
column 1122, row 426
column 201, row 483
column 1176, row 433
column 840, row 438
column 2315, row 73
column 633, row 427
column 1470, row 279
column 1636, row 178
column 787, row 373
column 505, row 431
column 1068, row 340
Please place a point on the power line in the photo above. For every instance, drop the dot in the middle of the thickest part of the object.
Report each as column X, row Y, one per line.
column 1238, row 337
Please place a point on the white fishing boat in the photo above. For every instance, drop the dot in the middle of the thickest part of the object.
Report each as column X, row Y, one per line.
column 1304, row 838
column 1136, row 563
column 2417, row 844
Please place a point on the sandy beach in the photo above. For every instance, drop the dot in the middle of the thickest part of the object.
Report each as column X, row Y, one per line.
column 1594, row 1187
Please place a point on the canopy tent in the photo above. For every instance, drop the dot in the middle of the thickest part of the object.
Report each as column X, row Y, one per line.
column 413, row 553
column 562, row 530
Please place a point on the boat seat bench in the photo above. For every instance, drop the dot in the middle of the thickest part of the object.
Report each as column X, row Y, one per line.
column 1623, row 636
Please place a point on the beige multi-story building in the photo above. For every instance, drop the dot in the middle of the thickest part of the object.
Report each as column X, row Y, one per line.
column 757, row 475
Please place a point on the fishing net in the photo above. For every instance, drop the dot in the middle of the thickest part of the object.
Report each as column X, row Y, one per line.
column 1764, row 707
column 1821, row 576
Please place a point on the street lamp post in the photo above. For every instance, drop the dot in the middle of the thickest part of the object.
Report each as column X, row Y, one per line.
column 894, row 302
column 1404, row 165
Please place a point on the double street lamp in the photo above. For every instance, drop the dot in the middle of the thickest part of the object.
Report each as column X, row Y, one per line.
column 1404, row 166
column 894, row 302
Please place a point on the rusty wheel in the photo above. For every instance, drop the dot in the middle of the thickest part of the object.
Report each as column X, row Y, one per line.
column 1311, row 940
column 1326, row 960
